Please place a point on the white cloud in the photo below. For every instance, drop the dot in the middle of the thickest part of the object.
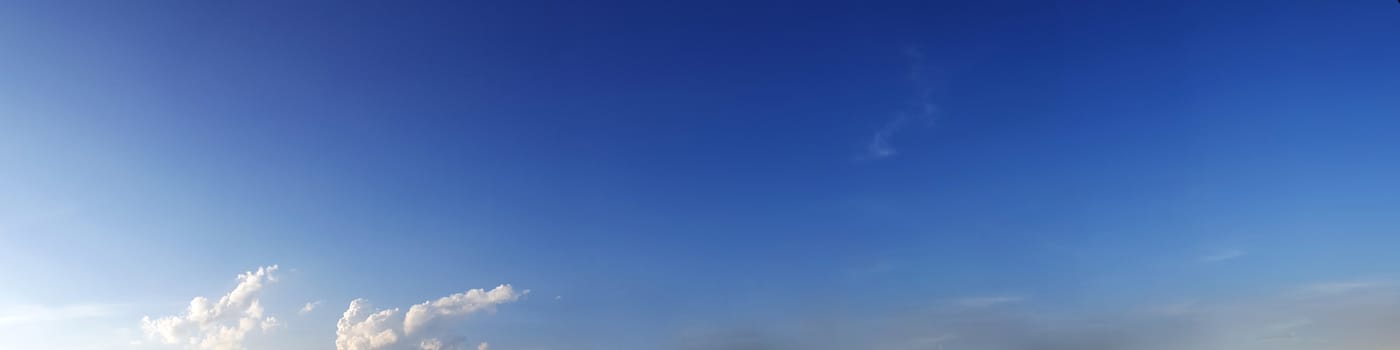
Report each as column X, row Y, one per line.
column 432, row 344
column 270, row 323
column 1222, row 256
column 222, row 324
column 419, row 316
column 482, row 346
column 310, row 306
column 423, row 327
column 358, row 329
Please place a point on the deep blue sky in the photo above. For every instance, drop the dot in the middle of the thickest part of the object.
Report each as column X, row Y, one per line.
column 667, row 169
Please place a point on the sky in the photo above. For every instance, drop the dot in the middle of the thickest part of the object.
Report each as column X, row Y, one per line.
column 755, row 175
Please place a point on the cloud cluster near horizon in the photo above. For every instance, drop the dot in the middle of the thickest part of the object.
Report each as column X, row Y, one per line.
column 425, row 326
column 222, row 324
column 226, row 323
column 1333, row 315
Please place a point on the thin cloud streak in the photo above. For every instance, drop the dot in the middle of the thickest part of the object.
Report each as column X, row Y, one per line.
column 921, row 108
column 1344, row 287
column 989, row 301
column 1222, row 256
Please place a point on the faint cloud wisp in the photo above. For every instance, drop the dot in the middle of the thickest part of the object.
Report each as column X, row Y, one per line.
column 1222, row 256
column 1345, row 315
column 989, row 301
column 310, row 306
column 921, row 109
column 1332, row 288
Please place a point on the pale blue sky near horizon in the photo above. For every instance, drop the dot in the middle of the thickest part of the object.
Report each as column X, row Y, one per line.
column 657, row 173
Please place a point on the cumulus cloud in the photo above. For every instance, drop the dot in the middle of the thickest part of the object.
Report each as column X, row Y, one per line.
column 221, row 324
column 424, row 326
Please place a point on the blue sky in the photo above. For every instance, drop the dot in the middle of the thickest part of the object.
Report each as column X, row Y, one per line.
column 735, row 175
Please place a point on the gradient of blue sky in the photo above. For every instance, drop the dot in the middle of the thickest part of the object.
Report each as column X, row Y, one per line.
column 686, row 171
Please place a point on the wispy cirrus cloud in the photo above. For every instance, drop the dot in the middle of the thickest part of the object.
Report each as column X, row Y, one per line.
column 986, row 301
column 1229, row 254
column 921, row 109
column 1342, row 287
